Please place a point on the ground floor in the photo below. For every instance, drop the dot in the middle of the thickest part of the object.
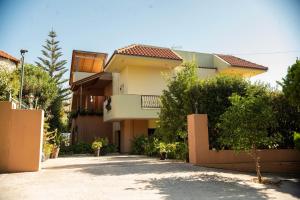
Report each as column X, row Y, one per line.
column 120, row 133
column 137, row 177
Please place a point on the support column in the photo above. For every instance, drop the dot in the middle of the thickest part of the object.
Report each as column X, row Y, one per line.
column 197, row 138
column 126, row 135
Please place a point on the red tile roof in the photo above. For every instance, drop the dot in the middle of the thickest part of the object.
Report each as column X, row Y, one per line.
column 148, row 51
column 9, row 57
column 238, row 62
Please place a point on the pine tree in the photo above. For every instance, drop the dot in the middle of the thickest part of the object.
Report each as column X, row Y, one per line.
column 55, row 66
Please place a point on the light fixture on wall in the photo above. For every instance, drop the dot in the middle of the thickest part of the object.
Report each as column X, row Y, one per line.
column 91, row 99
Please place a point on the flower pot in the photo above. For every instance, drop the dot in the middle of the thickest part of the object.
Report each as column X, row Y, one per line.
column 97, row 152
column 55, row 152
column 163, row 156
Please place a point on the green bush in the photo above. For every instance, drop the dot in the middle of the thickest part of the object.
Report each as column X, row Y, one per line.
column 208, row 96
column 211, row 97
column 139, row 145
column 82, row 148
column 47, row 149
column 109, row 148
column 297, row 140
column 181, row 151
column 79, row 148
column 151, row 147
column 288, row 119
column 175, row 150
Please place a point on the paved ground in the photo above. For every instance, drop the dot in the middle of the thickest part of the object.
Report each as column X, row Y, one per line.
column 136, row 177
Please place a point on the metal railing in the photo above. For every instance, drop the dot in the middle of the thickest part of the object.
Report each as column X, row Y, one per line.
column 150, row 101
column 23, row 105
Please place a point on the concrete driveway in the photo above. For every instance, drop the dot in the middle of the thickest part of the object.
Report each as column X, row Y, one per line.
column 136, row 177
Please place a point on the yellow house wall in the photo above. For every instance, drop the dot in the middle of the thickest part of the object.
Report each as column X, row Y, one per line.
column 145, row 80
column 206, row 73
column 115, row 83
column 220, row 64
column 202, row 73
column 128, row 107
column 123, row 81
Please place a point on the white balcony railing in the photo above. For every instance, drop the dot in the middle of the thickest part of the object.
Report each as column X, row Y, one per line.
column 150, row 101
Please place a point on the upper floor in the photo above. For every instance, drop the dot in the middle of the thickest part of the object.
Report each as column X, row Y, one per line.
column 134, row 77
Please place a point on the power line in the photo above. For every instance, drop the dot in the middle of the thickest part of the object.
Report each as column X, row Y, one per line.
column 262, row 53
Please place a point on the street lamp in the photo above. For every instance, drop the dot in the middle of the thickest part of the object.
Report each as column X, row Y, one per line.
column 22, row 51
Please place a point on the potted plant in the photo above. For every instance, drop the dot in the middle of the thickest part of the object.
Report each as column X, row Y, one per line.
column 162, row 150
column 47, row 149
column 57, row 140
column 96, row 146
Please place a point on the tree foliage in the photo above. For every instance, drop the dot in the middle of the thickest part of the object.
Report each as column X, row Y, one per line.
column 9, row 84
column 172, row 118
column 51, row 62
column 287, row 117
column 39, row 84
column 291, row 84
column 210, row 96
column 245, row 125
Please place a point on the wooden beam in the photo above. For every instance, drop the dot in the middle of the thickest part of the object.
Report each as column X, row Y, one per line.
column 80, row 96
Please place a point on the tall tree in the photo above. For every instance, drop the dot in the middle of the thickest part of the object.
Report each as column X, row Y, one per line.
column 52, row 63
column 55, row 66
column 291, row 84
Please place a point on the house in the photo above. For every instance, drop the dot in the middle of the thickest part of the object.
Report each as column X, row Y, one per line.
column 118, row 97
column 8, row 62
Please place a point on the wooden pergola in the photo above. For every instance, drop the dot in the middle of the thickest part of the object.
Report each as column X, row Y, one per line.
column 90, row 92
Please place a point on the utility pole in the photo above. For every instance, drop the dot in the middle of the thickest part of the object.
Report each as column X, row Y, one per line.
column 22, row 51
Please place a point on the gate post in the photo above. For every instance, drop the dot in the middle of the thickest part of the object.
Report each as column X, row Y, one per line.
column 198, row 143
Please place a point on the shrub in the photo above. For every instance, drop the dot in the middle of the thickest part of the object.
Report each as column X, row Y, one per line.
column 47, row 149
column 110, row 148
column 139, row 145
column 297, row 140
column 151, row 146
column 211, row 97
column 181, row 151
column 79, row 148
column 208, row 96
column 287, row 117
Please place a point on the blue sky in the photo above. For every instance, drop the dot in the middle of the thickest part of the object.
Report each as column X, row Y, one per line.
column 263, row 31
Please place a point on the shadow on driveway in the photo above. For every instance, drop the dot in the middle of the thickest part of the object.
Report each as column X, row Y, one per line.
column 174, row 180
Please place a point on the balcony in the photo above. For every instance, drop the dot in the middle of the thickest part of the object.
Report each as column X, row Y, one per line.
column 130, row 106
